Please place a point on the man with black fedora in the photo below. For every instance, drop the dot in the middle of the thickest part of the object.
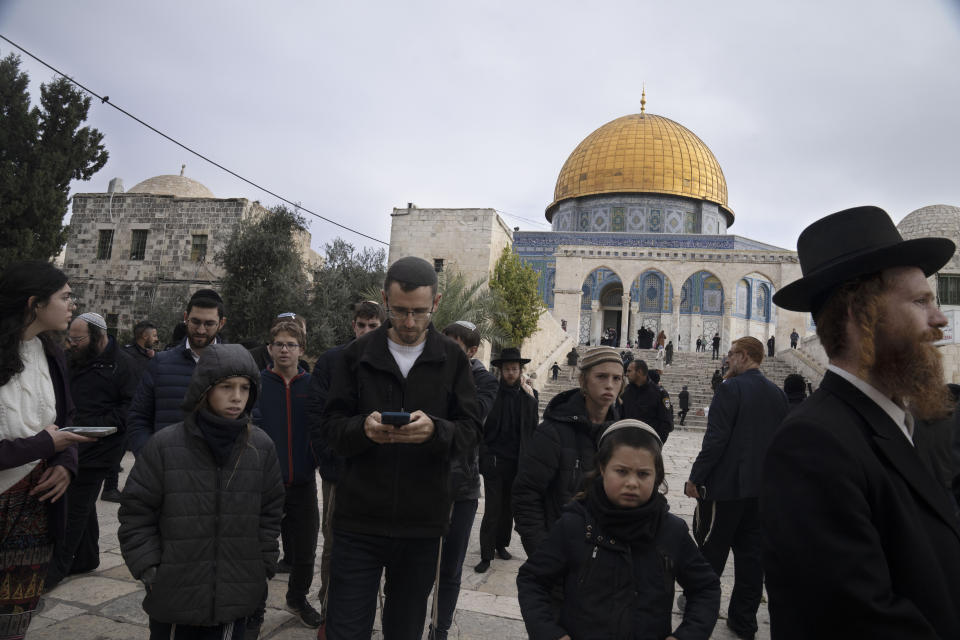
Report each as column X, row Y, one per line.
column 508, row 429
column 859, row 539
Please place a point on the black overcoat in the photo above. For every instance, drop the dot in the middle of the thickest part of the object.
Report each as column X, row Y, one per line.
column 859, row 539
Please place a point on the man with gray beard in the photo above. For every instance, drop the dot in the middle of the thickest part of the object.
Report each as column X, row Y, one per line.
column 860, row 541
column 102, row 383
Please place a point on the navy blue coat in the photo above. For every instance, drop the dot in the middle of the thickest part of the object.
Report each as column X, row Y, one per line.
column 159, row 398
column 281, row 411
column 744, row 416
column 615, row 590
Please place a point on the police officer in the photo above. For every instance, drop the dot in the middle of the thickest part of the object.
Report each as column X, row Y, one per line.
column 643, row 399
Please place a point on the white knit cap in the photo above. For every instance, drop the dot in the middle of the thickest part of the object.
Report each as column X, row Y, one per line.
column 630, row 423
column 93, row 318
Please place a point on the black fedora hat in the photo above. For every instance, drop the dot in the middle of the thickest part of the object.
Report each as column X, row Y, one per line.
column 852, row 243
column 510, row 354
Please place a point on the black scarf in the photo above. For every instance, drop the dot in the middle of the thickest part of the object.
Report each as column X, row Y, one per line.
column 633, row 525
column 220, row 433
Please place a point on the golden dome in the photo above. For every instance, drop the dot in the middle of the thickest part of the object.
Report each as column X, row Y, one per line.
column 642, row 153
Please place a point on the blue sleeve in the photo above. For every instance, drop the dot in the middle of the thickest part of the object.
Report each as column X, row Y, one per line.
column 142, row 410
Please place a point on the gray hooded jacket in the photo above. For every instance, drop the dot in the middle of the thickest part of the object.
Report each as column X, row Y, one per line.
column 211, row 533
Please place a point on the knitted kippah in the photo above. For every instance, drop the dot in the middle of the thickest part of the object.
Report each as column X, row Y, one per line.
column 598, row 355
column 413, row 271
column 93, row 318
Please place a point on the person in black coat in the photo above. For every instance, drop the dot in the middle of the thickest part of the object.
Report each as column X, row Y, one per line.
column 367, row 316
column 725, row 477
column 508, row 429
column 860, row 541
column 683, row 398
column 642, row 399
column 102, row 383
column 551, row 468
column 617, row 551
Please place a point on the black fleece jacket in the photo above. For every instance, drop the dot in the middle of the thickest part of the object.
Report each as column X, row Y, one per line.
column 399, row 490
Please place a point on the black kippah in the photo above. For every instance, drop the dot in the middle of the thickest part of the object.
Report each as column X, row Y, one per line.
column 206, row 294
column 413, row 271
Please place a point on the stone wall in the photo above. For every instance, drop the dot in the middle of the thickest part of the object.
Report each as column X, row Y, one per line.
column 468, row 241
column 127, row 290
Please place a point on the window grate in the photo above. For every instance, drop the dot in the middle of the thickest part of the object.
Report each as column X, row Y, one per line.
column 138, row 244
column 198, row 247
column 105, row 244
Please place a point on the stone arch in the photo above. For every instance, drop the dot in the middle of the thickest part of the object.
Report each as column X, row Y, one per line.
column 652, row 291
column 596, row 304
column 702, row 293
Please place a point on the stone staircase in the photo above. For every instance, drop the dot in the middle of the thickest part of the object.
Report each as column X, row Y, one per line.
column 689, row 368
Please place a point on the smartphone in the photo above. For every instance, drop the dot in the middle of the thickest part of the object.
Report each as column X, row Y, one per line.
column 91, row 432
column 396, row 418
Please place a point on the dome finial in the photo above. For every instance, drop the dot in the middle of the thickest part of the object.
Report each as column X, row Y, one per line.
column 643, row 100
column 183, row 167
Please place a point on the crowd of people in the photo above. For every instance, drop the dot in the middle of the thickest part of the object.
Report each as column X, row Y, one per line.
column 843, row 501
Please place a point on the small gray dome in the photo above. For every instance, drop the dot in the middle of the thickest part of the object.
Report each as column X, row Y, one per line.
column 180, row 186
column 936, row 220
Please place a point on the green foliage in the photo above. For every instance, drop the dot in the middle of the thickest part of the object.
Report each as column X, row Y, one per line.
column 264, row 273
column 343, row 280
column 515, row 284
column 41, row 150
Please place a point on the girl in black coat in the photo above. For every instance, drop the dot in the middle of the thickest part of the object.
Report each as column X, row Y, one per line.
column 617, row 551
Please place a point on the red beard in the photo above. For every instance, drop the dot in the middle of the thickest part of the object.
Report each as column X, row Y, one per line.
column 911, row 368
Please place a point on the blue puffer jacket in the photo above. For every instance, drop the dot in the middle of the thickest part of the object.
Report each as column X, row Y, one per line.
column 282, row 412
column 159, row 398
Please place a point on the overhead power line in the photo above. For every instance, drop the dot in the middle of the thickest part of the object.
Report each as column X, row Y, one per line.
column 105, row 99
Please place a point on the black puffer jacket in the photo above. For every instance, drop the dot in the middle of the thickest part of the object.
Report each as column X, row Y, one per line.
column 613, row 589
column 551, row 468
column 211, row 532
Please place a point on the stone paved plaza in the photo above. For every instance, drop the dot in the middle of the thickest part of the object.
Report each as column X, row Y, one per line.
column 106, row 603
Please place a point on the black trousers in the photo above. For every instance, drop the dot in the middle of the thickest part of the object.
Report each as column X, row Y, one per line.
column 716, row 353
column 734, row 524
column 497, row 524
column 301, row 526
column 79, row 551
column 356, row 566
column 451, row 560
column 682, row 414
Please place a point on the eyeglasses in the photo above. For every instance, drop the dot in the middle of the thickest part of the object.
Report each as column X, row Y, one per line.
column 209, row 324
column 289, row 346
column 77, row 340
column 400, row 314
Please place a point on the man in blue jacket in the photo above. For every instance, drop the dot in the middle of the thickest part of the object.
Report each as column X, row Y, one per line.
column 744, row 416
column 164, row 383
column 282, row 413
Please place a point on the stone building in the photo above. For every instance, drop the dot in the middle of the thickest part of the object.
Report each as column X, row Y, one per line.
column 140, row 254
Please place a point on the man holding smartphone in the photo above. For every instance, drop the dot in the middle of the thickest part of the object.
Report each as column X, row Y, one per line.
column 393, row 500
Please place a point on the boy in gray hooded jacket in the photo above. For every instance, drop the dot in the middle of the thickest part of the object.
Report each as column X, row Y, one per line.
column 200, row 513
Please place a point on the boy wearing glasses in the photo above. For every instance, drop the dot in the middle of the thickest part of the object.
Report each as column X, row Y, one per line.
column 282, row 412
column 164, row 382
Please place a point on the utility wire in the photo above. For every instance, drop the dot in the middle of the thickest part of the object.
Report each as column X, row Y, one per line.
column 513, row 215
column 106, row 100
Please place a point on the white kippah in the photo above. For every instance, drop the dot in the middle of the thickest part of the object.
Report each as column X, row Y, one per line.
column 628, row 423
column 93, row 318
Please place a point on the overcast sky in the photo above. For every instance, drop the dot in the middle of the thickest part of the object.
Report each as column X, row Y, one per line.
column 353, row 108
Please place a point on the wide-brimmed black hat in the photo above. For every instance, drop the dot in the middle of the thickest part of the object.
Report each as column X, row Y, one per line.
column 852, row 243
column 510, row 354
